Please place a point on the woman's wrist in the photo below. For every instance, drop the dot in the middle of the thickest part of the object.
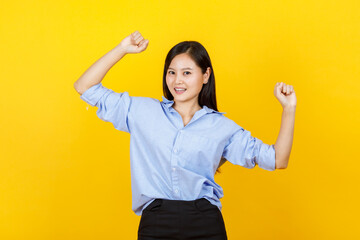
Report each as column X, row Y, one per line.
column 290, row 108
column 120, row 51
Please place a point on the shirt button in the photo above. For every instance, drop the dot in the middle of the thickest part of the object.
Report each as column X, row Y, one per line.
column 173, row 169
column 176, row 191
column 175, row 150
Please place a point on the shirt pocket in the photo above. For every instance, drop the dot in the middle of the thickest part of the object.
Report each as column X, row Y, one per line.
column 200, row 154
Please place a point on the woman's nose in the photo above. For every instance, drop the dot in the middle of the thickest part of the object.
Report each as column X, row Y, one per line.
column 178, row 79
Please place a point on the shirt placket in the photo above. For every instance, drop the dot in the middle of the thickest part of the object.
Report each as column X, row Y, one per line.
column 174, row 165
column 176, row 151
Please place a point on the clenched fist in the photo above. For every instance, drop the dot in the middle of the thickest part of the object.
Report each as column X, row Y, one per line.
column 134, row 43
column 285, row 94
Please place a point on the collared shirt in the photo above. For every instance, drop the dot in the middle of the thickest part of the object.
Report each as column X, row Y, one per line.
column 169, row 160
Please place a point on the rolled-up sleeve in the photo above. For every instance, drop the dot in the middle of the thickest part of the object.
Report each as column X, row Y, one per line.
column 112, row 106
column 247, row 151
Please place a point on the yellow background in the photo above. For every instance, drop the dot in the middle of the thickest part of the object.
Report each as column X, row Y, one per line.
column 65, row 174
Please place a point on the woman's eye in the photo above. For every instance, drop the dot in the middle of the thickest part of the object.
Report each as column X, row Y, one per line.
column 186, row 73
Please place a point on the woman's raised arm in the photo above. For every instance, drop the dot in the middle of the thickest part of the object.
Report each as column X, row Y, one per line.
column 134, row 43
column 286, row 95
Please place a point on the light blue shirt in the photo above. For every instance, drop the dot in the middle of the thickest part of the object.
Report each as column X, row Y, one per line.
column 169, row 160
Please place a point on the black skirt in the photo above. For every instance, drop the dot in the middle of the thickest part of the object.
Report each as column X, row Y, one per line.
column 179, row 219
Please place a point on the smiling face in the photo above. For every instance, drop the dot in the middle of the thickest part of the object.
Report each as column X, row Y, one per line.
column 185, row 79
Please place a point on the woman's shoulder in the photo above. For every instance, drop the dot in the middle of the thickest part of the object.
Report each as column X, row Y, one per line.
column 229, row 124
column 144, row 103
column 142, row 99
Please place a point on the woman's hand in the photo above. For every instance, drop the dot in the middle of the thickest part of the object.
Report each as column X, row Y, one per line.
column 134, row 43
column 285, row 94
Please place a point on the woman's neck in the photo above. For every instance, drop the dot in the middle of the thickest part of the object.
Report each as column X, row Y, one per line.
column 187, row 110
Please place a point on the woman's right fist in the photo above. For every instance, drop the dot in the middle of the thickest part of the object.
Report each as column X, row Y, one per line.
column 134, row 43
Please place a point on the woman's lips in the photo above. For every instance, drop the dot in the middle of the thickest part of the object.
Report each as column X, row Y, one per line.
column 179, row 91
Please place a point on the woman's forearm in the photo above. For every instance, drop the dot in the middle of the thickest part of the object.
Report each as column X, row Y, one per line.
column 96, row 72
column 285, row 139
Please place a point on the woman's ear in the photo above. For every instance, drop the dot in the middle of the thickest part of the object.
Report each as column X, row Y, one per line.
column 207, row 75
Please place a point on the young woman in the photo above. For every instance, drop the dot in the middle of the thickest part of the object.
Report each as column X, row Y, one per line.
column 177, row 144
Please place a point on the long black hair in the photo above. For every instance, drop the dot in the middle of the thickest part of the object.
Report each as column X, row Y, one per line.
column 200, row 56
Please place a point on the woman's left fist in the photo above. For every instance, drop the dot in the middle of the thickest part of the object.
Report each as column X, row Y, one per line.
column 285, row 94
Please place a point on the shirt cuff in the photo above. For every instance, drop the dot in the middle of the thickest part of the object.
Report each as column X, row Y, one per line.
column 93, row 94
column 268, row 160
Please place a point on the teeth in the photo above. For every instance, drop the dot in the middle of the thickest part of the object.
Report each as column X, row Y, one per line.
column 179, row 89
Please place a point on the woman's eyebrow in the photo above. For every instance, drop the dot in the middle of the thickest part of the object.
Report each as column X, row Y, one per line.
column 183, row 68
